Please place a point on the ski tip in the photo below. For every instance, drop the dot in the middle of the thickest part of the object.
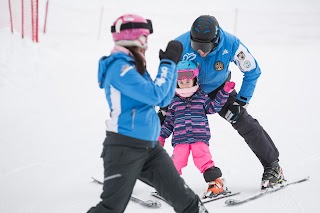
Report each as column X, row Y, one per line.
column 230, row 201
column 306, row 178
column 154, row 204
column 96, row 180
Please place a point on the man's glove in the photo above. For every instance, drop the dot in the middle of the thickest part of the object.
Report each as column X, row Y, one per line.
column 235, row 110
column 173, row 51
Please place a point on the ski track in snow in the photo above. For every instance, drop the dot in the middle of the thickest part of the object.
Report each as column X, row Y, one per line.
column 309, row 159
column 42, row 83
column 23, row 168
column 285, row 199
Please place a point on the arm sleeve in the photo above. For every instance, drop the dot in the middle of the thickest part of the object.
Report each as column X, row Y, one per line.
column 125, row 78
column 251, row 72
column 215, row 105
column 167, row 100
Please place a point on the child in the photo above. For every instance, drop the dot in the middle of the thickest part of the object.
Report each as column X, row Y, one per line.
column 187, row 120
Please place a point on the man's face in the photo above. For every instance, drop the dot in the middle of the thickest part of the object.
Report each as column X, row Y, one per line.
column 203, row 54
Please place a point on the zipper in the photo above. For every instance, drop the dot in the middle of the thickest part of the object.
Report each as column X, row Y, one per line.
column 133, row 115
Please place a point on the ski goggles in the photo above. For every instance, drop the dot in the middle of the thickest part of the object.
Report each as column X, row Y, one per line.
column 205, row 46
column 200, row 45
column 187, row 74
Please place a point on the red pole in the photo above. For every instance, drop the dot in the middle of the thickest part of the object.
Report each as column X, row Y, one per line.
column 22, row 19
column 32, row 20
column 10, row 12
column 45, row 18
column 37, row 21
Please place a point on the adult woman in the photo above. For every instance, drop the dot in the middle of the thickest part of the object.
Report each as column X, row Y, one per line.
column 131, row 150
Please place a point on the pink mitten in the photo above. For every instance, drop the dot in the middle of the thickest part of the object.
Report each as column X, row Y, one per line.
column 161, row 140
column 229, row 86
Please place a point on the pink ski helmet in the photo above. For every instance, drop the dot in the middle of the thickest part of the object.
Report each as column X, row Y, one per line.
column 131, row 30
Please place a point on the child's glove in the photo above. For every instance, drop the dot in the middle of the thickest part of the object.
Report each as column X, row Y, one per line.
column 161, row 140
column 229, row 86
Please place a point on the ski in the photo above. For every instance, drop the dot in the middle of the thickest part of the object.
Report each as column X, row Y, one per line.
column 203, row 200
column 233, row 202
column 209, row 199
column 156, row 194
column 146, row 203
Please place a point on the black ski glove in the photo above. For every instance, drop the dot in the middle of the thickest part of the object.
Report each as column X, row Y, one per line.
column 173, row 51
column 235, row 110
column 162, row 114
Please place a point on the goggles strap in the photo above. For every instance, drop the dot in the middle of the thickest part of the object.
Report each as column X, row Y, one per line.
column 134, row 25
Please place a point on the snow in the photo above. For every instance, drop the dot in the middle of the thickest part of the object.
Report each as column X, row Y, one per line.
column 52, row 111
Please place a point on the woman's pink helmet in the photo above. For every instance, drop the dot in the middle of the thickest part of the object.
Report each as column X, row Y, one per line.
column 131, row 30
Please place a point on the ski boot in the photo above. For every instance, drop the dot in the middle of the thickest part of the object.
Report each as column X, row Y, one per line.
column 272, row 176
column 216, row 188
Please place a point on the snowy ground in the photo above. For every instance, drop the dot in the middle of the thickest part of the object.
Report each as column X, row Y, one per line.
column 52, row 112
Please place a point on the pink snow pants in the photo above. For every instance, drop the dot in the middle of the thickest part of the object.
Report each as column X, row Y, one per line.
column 200, row 152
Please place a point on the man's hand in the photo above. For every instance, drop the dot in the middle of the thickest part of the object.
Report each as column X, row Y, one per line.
column 235, row 110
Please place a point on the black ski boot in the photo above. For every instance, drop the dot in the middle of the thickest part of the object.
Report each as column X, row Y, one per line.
column 272, row 175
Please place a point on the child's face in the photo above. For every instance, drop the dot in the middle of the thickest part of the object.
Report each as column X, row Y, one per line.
column 185, row 83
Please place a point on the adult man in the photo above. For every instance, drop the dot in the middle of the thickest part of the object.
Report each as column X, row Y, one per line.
column 213, row 49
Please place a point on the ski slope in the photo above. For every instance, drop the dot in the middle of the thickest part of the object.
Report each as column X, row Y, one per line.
column 52, row 111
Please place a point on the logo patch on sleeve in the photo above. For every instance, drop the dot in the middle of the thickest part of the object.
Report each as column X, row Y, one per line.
column 247, row 64
column 218, row 66
column 244, row 59
column 241, row 55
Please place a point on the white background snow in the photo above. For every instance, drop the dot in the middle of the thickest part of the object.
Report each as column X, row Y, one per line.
column 52, row 112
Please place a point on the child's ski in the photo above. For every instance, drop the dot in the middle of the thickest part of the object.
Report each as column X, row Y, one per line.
column 209, row 199
column 204, row 200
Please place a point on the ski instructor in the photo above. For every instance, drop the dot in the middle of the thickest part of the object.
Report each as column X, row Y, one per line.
column 131, row 150
column 213, row 49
